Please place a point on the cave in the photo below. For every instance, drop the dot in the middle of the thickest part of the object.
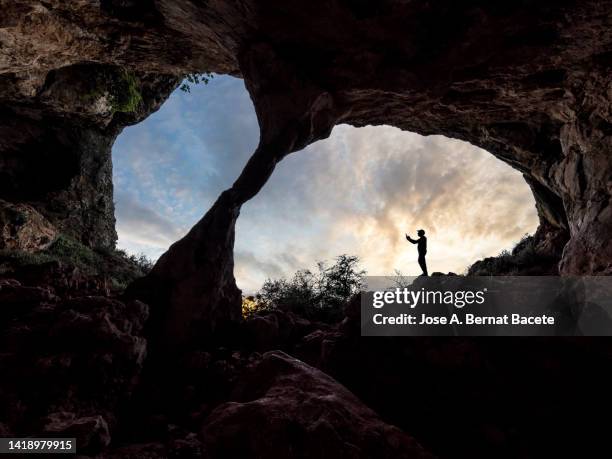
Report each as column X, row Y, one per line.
column 527, row 81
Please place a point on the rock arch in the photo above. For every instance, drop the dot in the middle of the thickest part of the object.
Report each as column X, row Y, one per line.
column 527, row 81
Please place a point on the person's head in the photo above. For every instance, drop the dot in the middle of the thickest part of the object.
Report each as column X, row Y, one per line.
column 421, row 233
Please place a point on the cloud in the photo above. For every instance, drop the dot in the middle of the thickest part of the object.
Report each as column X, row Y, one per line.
column 138, row 224
column 249, row 269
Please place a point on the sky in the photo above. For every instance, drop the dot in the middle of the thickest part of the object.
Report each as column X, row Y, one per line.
column 357, row 192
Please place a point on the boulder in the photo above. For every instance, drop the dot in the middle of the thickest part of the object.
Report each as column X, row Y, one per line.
column 187, row 447
column 68, row 365
column 91, row 432
column 23, row 228
column 284, row 408
column 262, row 331
column 17, row 300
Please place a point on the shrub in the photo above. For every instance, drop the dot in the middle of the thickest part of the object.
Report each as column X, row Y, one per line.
column 144, row 263
column 195, row 79
column 523, row 260
column 317, row 296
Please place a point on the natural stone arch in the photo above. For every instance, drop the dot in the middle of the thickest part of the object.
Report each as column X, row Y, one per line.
column 528, row 82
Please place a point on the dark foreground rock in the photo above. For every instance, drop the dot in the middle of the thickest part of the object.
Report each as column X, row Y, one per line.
column 91, row 432
column 276, row 329
column 67, row 365
column 78, row 365
column 284, row 408
column 476, row 397
column 75, row 363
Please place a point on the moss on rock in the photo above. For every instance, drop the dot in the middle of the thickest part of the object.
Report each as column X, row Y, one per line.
column 119, row 86
column 126, row 97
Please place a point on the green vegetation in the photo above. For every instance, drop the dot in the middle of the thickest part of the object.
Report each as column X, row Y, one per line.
column 126, row 95
column 315, row 296
column 116, row 265
column 120, row 85
column 194, row 78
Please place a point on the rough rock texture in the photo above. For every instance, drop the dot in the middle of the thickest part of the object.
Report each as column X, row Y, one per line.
column 91, row 431
column 273, row 329
column 536, row 255
column 528, row 81
column 55, row 143
column 23, row 228
column 69, row 362
column 286, row 409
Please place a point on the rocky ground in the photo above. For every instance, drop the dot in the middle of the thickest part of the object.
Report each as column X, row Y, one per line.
column 76, row 362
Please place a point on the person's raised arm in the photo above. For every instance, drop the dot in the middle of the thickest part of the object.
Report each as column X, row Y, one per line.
column 411, row 240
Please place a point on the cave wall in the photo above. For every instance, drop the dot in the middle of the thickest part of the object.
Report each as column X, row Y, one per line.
column 528, row 81
column 63, row 171
column 55, row 146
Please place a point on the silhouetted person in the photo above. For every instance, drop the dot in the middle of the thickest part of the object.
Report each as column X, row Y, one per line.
column 422, row 247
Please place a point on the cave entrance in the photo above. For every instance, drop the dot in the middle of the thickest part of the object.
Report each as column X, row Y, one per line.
column 356, row 192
